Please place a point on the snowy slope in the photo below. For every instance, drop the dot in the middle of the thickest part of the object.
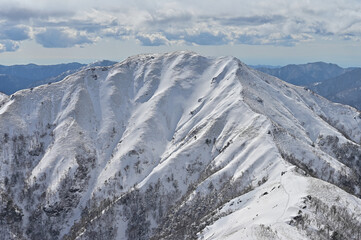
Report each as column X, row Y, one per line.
column 177, row 146
column 65, row 73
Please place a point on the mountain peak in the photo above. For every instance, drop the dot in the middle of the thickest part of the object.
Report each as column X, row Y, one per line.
column 176, row 146
column 101, row 63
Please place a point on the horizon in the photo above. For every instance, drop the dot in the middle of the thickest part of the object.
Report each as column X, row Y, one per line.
column 87, row 62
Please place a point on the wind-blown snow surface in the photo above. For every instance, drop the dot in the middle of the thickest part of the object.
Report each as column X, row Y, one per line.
column 178, row 146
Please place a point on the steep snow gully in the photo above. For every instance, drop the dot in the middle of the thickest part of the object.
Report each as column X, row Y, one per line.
column 178, row 146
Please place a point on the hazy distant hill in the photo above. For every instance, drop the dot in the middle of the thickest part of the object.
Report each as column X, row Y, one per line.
column 264, row 66
column 61, row 76
column 342, row 85
column 17, row 77
column 345, row 88
column 305, row 74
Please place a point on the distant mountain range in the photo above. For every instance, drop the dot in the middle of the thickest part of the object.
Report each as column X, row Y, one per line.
column 345, row 88
column 264, row 66
column 305, row 74
column 342, row 85
column 18, row 77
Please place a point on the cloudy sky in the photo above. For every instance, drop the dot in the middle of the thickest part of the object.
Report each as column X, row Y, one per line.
column 258, row 32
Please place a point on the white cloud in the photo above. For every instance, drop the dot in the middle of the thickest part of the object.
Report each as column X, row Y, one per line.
column 16, row 33
column 62, row 38
column 161, row 22
column 155, row 39
column 8, row 46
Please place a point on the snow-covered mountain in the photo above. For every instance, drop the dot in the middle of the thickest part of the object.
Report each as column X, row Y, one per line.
column 61, row 76
column 178, row 146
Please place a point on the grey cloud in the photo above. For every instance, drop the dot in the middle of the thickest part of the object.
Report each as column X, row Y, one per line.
column 251, row 20
column 256, row 39
column 192, row 22
column 151, row 39
column 169, row 18
column 248, row 39
column 80, row 25
column 207, row 38
column 8, row 46
column 351, row 37
column 60, row 38
column 116, row 32
column 201, row 38
column 16, row 33
column 320, row 28
column 18, row 14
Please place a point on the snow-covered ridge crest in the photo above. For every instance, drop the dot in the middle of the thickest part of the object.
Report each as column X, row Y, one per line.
column 175, row 146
